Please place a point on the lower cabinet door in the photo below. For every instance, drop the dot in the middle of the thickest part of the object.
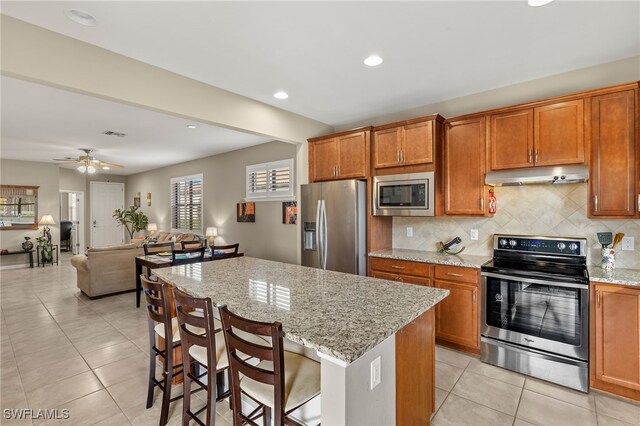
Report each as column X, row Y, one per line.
column 617, row 335
column 457, row 315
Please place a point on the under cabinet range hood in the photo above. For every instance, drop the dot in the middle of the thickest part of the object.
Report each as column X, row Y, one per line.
column 538, row 175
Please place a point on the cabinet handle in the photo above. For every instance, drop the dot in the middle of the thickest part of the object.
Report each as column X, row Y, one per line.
column 536, row 155
column 402, row 156
column 530, row 156
column 595, row 201
column 474, row 296
column 597, row 297
column 638, row 203
column 399, row 278
column 397, row 267
column 398, row 157
column 454, row 275
column 482, row 203
column 337, row 170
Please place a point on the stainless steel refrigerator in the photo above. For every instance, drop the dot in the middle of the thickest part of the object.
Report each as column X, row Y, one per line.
column 334, row 226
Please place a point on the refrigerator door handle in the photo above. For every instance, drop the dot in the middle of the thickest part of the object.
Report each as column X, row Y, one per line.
column 324, row 236
column 318, row 232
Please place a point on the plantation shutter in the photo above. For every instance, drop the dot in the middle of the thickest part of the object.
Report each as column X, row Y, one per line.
column 268, row 181
column 186, row 203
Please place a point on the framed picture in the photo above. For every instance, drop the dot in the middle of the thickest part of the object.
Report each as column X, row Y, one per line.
column 289, row 212
column 136, row 199
column 246, row 212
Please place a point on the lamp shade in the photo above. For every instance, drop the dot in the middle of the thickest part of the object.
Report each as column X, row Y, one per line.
column 152, row 227
column 47, row 219
column 212, row 231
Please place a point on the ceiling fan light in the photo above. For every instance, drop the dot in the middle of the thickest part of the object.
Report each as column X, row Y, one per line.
column 105, row 167
column 91, row 169
column 82, row 168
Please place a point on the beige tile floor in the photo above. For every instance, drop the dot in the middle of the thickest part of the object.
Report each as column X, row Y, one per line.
column 58, row 349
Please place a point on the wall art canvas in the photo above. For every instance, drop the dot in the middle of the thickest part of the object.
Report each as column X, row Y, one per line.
column 289, row 212
column 246, row 212
column 136, row 199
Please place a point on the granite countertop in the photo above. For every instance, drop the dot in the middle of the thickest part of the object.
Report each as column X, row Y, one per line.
column 340, row 315
column 630, row 277
column 466, row 260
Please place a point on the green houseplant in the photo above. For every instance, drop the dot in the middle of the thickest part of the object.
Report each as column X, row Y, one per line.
column 132, row 219
column 47, row 248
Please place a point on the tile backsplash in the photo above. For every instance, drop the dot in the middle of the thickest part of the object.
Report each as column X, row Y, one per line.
column 552, row 210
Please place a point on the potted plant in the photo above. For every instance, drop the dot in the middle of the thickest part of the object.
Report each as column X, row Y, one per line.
column 132, row 219
column 46, row 250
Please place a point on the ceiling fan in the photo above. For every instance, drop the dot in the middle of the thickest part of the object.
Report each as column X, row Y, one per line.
column 88, row 163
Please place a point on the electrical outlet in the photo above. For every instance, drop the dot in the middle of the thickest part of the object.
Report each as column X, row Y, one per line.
column 375, row 372
column 409, row 231
column 474, row 234
column 628, row 243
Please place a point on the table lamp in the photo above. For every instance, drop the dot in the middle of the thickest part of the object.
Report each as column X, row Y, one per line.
column 152, row 228
column 212, row 233
column 47, row 220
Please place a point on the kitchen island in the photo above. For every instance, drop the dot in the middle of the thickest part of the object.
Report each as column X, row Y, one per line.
column 347, row 320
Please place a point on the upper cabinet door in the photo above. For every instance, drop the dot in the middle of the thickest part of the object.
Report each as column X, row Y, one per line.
column 511, row 139
column 559, row 133
column 353, row 155
column 613, row 155
column 464, row 167
column 386, row 147
column 418, row 144
column 324, row 159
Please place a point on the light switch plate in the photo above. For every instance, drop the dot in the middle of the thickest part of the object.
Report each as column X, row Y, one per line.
column 409, row 231
column 474, row 234
column 375, row 372
column 628, row 243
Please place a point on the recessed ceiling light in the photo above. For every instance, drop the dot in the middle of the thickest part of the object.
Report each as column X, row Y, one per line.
column 80, row 17
column 190, row 126
column 280, row 95
column 537, row 3
column 373, row 61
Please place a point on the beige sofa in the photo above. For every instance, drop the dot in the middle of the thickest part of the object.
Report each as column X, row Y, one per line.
column 107, row 270
column 164, row 237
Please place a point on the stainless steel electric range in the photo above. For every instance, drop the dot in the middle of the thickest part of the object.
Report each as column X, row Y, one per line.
column 535, row 308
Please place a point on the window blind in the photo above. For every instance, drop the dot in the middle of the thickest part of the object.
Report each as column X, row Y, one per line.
column 186, row 203
column 268, row 181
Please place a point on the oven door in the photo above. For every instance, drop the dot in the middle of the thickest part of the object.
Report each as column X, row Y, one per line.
column 545, row 315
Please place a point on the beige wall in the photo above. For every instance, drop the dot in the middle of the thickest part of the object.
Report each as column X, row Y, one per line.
column 46, row 176
column 609, row 74
column 224, row 186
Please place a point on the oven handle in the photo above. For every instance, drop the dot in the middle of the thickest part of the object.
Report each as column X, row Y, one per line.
column 534, row 281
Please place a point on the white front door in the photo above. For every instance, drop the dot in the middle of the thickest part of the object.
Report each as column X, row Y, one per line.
column 105, row 198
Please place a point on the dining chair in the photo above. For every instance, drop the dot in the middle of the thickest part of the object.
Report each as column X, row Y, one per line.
column 224, row 252
column 161, row 325
column 155, row 248
column 193, row 244
column 185, row 256
column 281, row 381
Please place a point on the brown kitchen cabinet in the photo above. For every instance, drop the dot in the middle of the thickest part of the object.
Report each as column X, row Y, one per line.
column 613, row 191
column 400, row 270
column 464, row 167
column 340, row 156
column 548, row 135
column 405, row 143
column 457, row 316
column 615, row 337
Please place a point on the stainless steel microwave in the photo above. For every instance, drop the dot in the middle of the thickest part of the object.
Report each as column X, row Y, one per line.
column 404, row 195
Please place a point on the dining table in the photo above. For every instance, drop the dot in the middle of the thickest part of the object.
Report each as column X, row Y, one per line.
column 155, row 261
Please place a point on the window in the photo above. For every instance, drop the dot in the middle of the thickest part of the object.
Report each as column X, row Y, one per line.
column 269, row 181
column 186, row 203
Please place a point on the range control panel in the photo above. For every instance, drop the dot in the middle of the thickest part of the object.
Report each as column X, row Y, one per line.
column 532, row 244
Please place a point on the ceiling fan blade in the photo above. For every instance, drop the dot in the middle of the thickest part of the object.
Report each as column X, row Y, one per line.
column 66, row 160
column 105, row 164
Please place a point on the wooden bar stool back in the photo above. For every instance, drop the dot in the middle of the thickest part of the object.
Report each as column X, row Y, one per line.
column 162, row 325
column 155, row 248
column 223, row 252
column 200, row 348
column 292, row 379
column 193, row 244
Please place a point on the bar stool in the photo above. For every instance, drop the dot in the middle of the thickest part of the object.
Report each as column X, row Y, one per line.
column 159, row 310
column 186, row 256
column 282, row 381
column 200, row 347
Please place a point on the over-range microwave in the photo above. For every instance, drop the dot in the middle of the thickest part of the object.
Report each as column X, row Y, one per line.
column 404, row 195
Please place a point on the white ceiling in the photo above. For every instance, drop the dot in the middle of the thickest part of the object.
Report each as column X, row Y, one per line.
column 432, row 51
column 40, row 123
